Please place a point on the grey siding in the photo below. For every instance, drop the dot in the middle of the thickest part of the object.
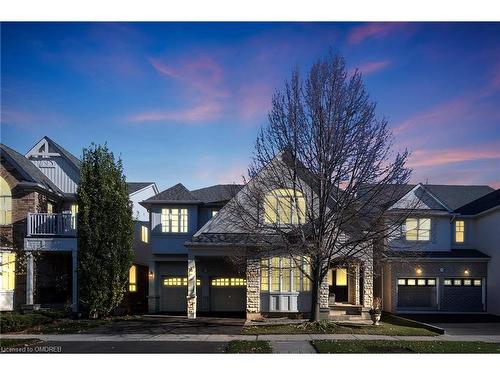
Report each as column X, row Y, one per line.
column 59, row 171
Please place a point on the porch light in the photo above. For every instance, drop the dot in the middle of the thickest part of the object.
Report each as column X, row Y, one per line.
column 419, row 271
column 466, row 272
column 151, row 274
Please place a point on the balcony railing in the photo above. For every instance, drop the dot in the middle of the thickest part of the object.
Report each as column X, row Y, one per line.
column 42, row 224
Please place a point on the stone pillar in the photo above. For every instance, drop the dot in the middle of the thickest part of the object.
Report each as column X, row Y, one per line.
column 74, row 291
column 191, row 297
column 324, row 294
column 153, row 292
column 253, row 289
column 29, row 279
column 357, row 288
column 368, row 283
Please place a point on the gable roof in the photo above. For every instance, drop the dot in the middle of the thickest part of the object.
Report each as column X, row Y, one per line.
column 132, row 187
column 27, row 169
column 481, row 204
column 72, row 159
column 216, row 193
column 175, row 194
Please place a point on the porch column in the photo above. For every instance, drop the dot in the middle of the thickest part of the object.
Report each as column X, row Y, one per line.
column 29, row 279
column 253, row 289
column 357, row 299
column 368, row 283
column 74, row 260
column 153, row 292
column 191, row 297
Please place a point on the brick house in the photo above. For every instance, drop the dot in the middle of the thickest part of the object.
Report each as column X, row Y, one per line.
column 38, row 224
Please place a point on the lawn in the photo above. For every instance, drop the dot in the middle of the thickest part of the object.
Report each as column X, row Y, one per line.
column 389, row 326
column 255, row 347
column 382, row 346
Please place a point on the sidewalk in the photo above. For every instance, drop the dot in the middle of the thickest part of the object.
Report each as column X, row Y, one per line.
column 226, row 338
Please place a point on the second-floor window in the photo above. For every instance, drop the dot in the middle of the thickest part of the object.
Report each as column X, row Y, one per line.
column 144, row 234
column 284, row 206
column 74, row 212
column 459, row 231
column 418, row 229
column 5, row 203
column 174, row 220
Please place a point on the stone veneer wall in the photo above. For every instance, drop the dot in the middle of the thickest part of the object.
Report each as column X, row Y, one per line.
column 368, row 283
column 253, row 288
column 324, row 294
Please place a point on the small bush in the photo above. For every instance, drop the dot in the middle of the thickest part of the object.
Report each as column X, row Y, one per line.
column 15, row 322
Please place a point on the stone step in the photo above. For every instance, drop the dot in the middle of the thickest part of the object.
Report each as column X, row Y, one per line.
column 350, row 318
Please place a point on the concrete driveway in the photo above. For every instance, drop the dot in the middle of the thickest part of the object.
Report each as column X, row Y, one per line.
column 461, row 324
column 157, row 325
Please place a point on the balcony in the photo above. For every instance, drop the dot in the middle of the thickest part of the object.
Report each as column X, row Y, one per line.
column 50, row 232
column 51, row 225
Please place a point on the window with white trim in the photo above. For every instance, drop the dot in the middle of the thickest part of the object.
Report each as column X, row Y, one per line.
column 418, row 229
column 284, row 206
column 283, row 274
column 5, row 203
column 144, row 234
column 174, row 220
column 8, row 271
column 132, row 279
column 459, row 231
column 416, row 282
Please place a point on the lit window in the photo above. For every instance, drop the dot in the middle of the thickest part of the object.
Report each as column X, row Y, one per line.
column 264, row 275
column 228, row 281
column 457, row 282
column 477, row 282
column 5, row 203
column 178, row 281
column 431, row 282
column 421, row 282
column 8, row 271
column 447, row 282
column 401, row 281
column 418, row 229
column 284, row 206
column 214, row 212
column 286, row 272
column 174, row 220
column 74, row 212
column 297, row 273
column 50, row 208
column 132, row 279
column 144, row 234
column 467, row 282
column 341, row 277
column 459, row 231
column 306, row 282
column 275, row 274
column 411, row 282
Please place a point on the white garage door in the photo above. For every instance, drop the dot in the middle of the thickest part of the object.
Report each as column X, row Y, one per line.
column 227, row 294
column 174, row 292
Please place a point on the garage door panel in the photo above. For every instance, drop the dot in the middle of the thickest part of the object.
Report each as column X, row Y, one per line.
column 462, row 299
column 417, row 293
column 174, row 292
column 228, row 294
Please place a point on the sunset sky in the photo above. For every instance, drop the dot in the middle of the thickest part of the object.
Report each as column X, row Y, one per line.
column 182, row 102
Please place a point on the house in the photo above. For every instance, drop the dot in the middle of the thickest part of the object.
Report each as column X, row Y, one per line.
column 443, row 259
column 446, row 257
column 38, row 216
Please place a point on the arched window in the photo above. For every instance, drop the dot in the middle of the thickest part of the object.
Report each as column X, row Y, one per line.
column 284, row 206
column 5, row 203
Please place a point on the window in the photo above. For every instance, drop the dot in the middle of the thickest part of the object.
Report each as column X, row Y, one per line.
column 8, row 271
column 477, row 282
column 431, row 282
column 214, row 212
column 411, row 282
column 467, row 282
column 457, row 282
column 341, row 277
column 417, row 282
column 178, row 281
column 447, row 282
column 284, row 206
column 283, row 274
column 401, row 281
column 50, row 208
column 462, row 282
column 74, row 212
column 174, row 220
column 144, row 234
column 421, row 282
column 228, row 281
column 132, row 279
column 459, row 231
column 5, row 203
column 418, row 229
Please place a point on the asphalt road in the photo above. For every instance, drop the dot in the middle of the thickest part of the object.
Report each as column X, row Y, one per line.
column 461, row 324
column 72, row 347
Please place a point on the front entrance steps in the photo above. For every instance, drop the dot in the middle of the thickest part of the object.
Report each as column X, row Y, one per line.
column 346, row 312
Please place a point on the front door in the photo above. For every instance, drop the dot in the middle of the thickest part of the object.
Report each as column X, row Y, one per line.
column 338, row 284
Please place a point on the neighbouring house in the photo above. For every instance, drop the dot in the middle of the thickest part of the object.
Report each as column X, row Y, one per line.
column 38, row 216
column 446, row 258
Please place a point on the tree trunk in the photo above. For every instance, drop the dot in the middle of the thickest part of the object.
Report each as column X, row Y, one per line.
column 315, row 300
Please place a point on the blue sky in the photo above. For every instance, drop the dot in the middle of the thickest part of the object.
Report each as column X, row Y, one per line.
column 182, row 102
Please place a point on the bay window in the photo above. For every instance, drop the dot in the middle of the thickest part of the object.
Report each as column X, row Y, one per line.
column 283, row 275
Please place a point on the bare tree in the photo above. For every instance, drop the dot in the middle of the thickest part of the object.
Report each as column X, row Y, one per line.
column 323, row 176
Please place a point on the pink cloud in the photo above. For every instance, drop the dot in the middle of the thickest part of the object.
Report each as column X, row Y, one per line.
column 195, row 114
column 210, row 170
column 373, row 66
column 255, row 100
column 432, row 158
column 29, row 119
column 378, row 30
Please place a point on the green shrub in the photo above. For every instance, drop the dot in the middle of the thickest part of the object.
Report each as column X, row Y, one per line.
column 15, row 322
column 53, row 314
